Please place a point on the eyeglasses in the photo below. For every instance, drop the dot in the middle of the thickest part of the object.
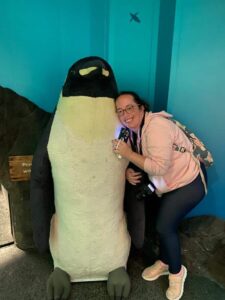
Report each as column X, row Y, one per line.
column 128, row 109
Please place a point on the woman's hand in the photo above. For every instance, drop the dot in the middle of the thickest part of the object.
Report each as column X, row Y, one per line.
column 132, row 176
column 121, row 148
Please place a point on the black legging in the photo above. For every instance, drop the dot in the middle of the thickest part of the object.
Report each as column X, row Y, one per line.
column 164, row 214
column 172, row 209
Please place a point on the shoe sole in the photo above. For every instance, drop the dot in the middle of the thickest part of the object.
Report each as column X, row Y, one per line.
column 182, row 289
column 154, row 278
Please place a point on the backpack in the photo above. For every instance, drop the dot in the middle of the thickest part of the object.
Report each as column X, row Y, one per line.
column 199, row 149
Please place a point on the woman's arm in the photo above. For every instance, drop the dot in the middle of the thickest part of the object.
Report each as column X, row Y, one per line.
column 157, row 147
column 123, row 149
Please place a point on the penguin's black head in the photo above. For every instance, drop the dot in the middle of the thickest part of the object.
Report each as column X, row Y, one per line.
column 91, row 76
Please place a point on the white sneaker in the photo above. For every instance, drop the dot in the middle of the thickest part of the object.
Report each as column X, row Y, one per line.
column 155, row 271
column 176, row 285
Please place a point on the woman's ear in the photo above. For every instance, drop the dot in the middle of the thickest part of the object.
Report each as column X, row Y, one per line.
column 142, row 107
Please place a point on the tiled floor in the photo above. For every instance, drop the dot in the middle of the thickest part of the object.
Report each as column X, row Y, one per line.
column 23, row 276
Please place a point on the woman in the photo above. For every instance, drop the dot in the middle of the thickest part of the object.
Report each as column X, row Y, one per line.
column 176, row 177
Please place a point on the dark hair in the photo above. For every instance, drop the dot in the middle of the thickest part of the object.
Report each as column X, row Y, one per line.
column 136, row 98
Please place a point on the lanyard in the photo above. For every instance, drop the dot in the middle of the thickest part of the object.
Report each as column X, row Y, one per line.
column 133, row 137
column 135, row 148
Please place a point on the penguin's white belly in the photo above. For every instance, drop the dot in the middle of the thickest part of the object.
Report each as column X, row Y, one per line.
column 88, row 236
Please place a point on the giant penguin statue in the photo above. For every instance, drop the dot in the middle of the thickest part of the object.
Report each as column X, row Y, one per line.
column 77, row 185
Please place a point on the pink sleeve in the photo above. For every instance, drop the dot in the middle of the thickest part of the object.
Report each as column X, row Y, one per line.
column 158, row 146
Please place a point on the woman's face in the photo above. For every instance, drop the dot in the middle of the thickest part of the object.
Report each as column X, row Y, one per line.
column 129, row 112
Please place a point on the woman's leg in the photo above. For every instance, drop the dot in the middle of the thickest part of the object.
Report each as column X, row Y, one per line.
column 174, row 206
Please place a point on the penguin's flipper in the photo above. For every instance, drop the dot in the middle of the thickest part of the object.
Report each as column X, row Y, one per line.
column 42, row 193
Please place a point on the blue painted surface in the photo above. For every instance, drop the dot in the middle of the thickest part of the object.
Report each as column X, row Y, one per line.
column 133, row 45
column 164, row 52
column 197, row 86
column 41, row 39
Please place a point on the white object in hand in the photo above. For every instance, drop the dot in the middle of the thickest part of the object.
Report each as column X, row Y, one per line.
column 117, row 145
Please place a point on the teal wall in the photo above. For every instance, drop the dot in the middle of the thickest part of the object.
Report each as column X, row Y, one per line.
column 133, row 45
column 197, row 85
column 174, row 57
column 39, row 40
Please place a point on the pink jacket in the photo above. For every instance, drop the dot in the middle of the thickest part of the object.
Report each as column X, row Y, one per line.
column 168, row 169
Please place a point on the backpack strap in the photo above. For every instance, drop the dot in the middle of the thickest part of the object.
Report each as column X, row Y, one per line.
column 183, row 150
column 179, row 148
